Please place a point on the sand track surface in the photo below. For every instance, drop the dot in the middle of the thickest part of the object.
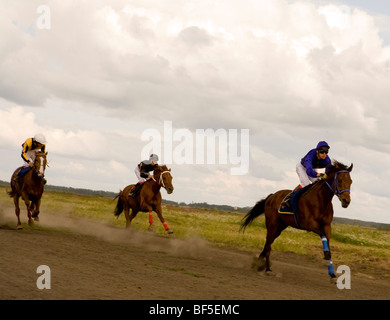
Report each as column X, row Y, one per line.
column 91, row 260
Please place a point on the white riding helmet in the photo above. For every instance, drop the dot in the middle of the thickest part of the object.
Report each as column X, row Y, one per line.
column 40, row 138
column 153, row 157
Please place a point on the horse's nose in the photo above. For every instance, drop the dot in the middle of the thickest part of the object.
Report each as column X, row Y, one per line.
column 169, row 190
column 345, row 202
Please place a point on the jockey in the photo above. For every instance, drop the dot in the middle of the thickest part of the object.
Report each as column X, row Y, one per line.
column 142, row 172
column 313, row 165
column 31, row 146
column 311, row 168
column 29, row 149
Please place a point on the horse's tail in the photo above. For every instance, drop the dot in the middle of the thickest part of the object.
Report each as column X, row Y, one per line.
column 119, row 205
column 11, row 193
column 256, row 211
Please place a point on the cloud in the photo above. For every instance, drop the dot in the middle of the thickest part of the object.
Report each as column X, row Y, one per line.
column 292, row 72
column 17, row 122
column 124, row 56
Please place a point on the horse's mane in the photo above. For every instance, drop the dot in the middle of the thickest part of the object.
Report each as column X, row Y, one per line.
column 336, row 166
column 161, row 168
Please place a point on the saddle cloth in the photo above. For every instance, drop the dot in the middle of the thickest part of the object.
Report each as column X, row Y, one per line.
column 292, row 207
column 293, row 200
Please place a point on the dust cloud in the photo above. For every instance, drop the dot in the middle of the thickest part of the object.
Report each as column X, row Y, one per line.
column 192, row 247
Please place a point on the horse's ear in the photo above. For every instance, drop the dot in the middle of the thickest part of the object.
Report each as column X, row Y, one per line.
column 169, row 169
column 350, row 168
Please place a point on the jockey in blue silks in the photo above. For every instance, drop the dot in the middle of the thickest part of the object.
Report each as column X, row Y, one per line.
column 311, row 168
column 313, row 165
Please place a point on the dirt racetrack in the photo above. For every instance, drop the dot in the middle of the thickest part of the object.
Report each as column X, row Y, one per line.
column 89, row 260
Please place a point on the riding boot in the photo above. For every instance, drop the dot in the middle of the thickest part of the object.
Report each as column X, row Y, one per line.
column 286, row 201
column 135, row 190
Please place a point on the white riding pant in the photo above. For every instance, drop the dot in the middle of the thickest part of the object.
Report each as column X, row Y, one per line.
column 138, row 174
column 304, row 179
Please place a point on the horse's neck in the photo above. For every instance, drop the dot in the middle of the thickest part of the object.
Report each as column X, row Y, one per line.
column 35, row 177
column 323, row 192
column 154, row 185
column 33, row 182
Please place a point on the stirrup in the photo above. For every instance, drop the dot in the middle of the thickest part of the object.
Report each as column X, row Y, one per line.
column 286, row 201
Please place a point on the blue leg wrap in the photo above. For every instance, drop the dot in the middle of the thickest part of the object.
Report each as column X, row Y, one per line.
column 325, row 243
column 330, row 268
column 326, row 249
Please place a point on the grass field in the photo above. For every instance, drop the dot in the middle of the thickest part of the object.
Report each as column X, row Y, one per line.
column 366, row 249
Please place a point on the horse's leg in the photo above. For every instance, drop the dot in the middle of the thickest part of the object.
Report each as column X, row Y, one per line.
column 124, row 200
column 35, row 212
column 17, row 211
column 132, row 216
column 28, row 203
column 30, row 220
column 127, row 216
column 325, row 237
column 150, row 221
column 159, row 213
column 273, row 231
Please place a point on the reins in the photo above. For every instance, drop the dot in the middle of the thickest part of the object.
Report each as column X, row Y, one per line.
column 336, row 190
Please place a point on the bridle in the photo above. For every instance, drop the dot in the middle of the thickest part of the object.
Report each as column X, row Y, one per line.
column 337, row 190
column 161, row 180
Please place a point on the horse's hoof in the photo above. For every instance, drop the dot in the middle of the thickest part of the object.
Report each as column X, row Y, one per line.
column 333, row 279
column 150, row 229
column 258, row 264
column 36, row 219
column 170, row 231
column 19, row 227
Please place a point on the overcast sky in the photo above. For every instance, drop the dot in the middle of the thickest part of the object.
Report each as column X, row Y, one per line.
column 97, row 77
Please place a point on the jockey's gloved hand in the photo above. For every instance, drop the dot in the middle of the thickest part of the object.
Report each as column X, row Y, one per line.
column 323, row 176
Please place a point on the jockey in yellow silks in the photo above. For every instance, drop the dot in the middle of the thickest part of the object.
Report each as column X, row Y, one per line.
column 29, row 149
column 31, row 146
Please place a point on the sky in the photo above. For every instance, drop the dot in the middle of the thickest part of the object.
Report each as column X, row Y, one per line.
column 230, row 94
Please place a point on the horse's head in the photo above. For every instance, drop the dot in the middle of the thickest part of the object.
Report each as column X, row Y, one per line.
column 40, row 163
column 163, row 176
column 340, row 182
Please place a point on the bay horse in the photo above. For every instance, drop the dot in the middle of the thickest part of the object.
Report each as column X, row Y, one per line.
column 315, row 212
column 30, row 188
column 149, row 198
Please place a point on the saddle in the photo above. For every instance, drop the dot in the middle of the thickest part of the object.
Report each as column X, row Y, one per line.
column 289, row 204
column 135, row 191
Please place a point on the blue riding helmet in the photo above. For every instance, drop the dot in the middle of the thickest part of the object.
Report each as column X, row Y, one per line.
column 322, row 145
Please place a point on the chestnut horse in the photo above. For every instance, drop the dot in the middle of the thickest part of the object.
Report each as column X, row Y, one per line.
column 148, row 200
column 30, row 188
column 315, row 212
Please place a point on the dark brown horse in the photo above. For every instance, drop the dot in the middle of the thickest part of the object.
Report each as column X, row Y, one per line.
column 30, row 188
column 148, row 200
column 315, row 212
